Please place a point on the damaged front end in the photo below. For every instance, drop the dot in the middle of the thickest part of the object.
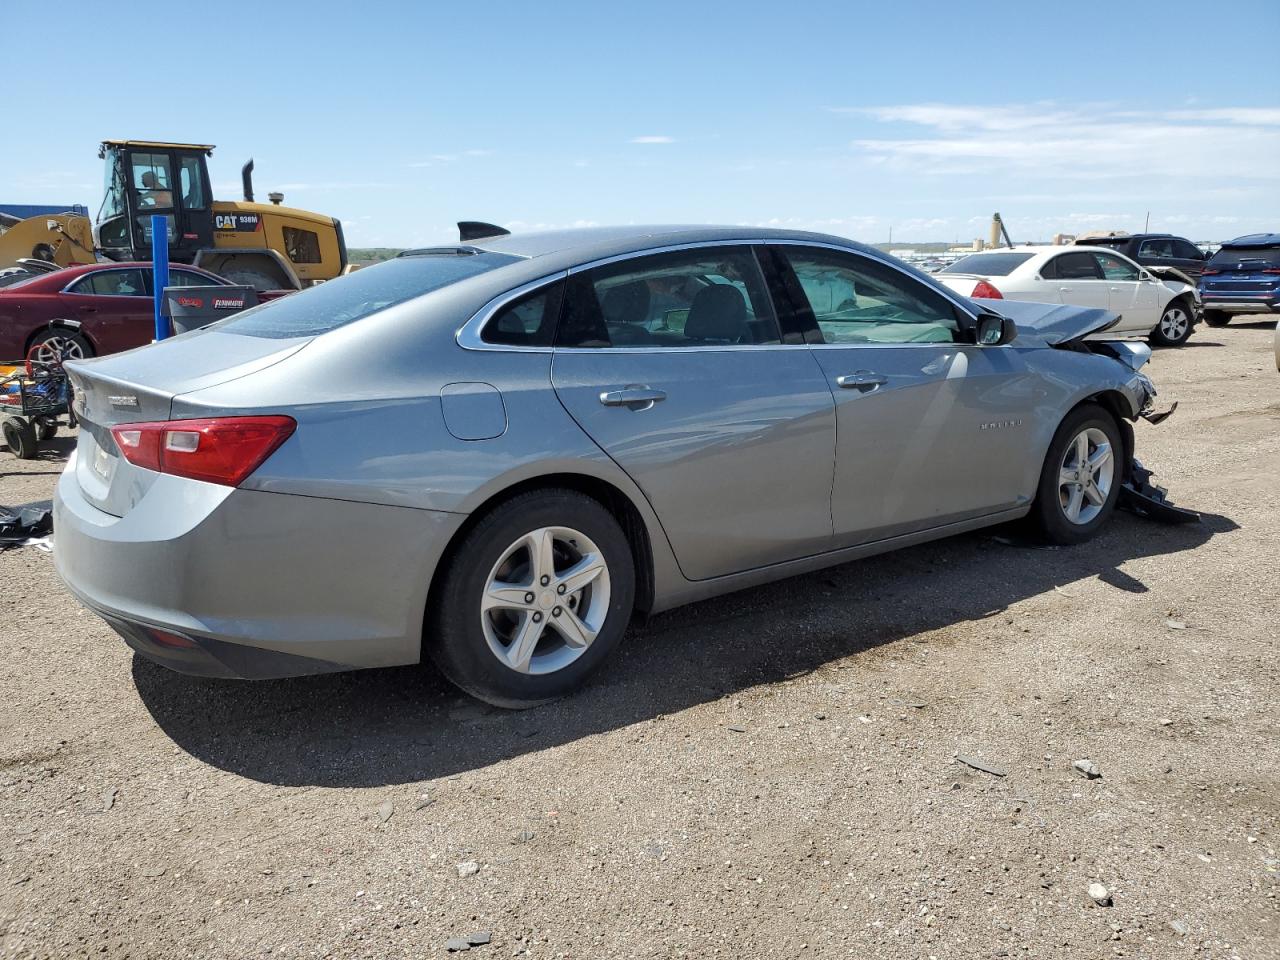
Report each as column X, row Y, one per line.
column 1073, row 328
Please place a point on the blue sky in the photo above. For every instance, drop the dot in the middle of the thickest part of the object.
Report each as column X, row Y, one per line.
column 851, row 118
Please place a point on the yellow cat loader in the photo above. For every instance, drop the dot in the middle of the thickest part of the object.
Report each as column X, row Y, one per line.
column 266, row 245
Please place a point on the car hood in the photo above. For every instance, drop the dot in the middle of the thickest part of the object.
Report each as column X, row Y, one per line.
column 1051, row 323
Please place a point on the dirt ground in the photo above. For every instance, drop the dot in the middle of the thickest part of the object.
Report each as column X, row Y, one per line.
column 770, row 774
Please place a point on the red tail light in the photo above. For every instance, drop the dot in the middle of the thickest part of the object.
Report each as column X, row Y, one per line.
column 986, row 291
column 221, row 450
column 1272, row 270
column 1207, row 273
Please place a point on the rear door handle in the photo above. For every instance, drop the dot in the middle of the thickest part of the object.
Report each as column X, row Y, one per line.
column 863, row 380
column 635, row 397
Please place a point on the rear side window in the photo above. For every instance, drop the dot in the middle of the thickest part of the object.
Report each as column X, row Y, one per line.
column 707, row 297
column 358, row 295
column 1072, row 266
column 989, row 264
column 185, row 278
column 527, row 322
column 1246, row 259
column 1161, row 247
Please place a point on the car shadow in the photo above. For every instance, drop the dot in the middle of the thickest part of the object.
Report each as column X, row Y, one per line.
column 54, row 450
column 392, row 726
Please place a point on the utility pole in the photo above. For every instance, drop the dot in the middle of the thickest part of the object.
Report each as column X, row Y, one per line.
column 1146, row 224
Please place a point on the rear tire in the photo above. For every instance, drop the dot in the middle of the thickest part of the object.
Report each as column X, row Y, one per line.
column 1076, row 495
column 20, row 436
column 68, row 345
column 502, row 628
column 1216, row 318
column 1175, row 326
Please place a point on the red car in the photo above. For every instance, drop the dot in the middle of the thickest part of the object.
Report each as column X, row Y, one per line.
column 86, row 311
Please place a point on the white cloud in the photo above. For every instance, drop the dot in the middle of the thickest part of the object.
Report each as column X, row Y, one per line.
column 653, row 139
column 1087, row 142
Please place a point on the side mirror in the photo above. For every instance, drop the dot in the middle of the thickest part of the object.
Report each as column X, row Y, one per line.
column 993, row 330
column 1146, row 275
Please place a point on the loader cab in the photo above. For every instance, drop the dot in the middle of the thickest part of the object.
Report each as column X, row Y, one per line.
column 142, row 179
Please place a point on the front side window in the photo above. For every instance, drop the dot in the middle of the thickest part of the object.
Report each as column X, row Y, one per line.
column 1072, row 266
column 707, row 297
column 857, row 300
column 1186, row 250
column 1113, row 268
column 151, row 180
column 111, row 283
column 302, row 246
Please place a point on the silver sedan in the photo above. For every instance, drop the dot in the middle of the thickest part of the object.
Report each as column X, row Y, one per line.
column 490, row 453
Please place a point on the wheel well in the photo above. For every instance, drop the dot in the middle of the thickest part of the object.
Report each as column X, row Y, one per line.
column 53, row 325
column 266, row 263
column 1115, row 404
column 605, row 493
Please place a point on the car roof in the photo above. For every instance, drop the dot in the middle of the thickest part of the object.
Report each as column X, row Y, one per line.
column 586, row 242
column 1254, row 240
column 57, row 279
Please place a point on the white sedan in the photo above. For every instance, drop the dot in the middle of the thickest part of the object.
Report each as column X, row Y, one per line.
column 1164, row 310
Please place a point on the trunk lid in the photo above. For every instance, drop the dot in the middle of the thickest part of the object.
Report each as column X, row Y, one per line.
column 139, row 386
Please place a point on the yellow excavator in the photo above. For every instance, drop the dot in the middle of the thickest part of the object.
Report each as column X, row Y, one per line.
column 266, row 245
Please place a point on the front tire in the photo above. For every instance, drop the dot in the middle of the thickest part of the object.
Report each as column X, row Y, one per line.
column 533, row 600
column 1216, row 318
column 1176, row 323
column 1081, row 477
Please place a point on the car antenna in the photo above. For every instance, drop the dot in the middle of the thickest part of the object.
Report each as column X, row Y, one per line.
column 479, row 230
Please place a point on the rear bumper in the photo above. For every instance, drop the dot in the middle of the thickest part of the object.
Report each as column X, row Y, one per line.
column 1228, row 304
column 215, row 581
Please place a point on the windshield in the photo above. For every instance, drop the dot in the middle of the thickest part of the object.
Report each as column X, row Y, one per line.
column 358, row 295
column 989, row 264
column 1246, row 259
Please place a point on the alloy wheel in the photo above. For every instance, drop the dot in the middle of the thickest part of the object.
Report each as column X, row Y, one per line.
column 545, row 600
column 1085, row 476
column 55, row 349
column 1174, row 323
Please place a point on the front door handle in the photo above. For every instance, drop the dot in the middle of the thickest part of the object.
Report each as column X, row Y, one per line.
column 634, row 397
column 863, row 380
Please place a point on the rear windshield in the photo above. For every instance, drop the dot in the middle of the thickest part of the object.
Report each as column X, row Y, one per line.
column 355, row 296
column 1246, row 258
column 989, row 264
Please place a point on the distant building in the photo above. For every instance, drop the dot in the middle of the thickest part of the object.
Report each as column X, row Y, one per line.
column 22, row 211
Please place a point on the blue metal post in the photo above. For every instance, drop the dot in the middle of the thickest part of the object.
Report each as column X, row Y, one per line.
column 160, row 269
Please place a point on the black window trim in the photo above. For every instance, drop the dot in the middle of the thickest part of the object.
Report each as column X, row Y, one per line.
column 469, row 335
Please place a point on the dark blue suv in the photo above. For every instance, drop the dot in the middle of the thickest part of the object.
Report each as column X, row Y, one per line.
column 1242, row 277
